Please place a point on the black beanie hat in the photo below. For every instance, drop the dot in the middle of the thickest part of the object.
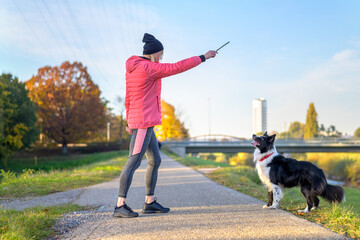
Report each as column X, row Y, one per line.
column 152, row 45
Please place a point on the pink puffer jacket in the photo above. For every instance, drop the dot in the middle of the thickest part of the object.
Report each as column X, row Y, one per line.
column 143, row 88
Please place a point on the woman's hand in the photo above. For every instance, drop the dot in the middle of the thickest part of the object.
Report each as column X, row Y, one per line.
column 210, row 54
column 129, row 130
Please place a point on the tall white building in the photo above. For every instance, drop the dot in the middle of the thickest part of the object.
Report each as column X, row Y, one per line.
column 259, row 115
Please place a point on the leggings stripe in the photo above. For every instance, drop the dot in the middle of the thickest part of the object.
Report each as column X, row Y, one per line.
column 139, row 140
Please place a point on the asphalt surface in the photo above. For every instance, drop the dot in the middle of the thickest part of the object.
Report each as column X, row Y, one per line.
column 200, row 209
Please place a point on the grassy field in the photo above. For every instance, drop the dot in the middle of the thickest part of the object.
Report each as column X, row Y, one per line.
column 50, row 175
column 57, row 162
column 31, row 223
column 60, row 174
column 343, row 218
column 195, row 162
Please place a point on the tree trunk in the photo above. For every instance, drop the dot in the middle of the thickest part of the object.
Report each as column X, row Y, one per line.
column 121, row 130
column 4, row 159
column 65, row 150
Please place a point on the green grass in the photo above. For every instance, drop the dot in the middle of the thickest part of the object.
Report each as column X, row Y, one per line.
column 343, row 218
column 31, row 223
column 195, row 162
column 48, row 176
column 57, row 162
column 91, row 169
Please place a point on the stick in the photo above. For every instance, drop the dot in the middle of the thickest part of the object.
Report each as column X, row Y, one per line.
column 223, row 46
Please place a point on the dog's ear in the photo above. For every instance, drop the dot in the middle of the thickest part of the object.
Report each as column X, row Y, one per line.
column 272, row 138
column 265, row 134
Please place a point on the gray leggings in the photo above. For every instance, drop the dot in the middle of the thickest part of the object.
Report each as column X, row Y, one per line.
column 143, row 141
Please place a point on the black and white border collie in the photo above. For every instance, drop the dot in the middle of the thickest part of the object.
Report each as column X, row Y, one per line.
column 277, row 172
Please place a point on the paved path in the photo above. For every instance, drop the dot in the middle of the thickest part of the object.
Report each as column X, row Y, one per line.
column 200, row 209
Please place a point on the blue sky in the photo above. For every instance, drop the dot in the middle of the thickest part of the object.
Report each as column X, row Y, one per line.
column 289, row 52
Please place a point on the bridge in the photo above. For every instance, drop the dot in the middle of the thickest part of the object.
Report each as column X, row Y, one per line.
column 283, row 146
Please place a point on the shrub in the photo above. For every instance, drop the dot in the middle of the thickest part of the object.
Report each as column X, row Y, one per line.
column 241, row 159
column 342, row 166
column 353, row 173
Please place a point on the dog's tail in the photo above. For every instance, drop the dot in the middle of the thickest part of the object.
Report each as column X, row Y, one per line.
column 333, row 194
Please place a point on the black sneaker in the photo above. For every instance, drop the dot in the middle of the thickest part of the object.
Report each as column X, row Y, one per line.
column 124, row 212
column 154, row 207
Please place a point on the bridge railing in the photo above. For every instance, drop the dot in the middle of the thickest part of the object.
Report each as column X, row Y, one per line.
column 184, row 147
column 277, row 142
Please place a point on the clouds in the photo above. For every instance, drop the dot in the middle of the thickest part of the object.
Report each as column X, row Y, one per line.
column 344, row 55
column 340, row 74
column 101, row 34
column 333, row 86
column 289, row 60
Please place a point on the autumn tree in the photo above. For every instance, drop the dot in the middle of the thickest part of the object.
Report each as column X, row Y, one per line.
column 357, row 133
column 69, row 104
column 117, row 129
column 121, row 120
column 296, row 130
column 172, row 127
column 117, row 123
column 17, row 117
column 311, row 125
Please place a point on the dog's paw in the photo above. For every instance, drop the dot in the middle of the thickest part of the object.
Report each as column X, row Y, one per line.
column 272, row 207
column 265, row 206
column 303, row 211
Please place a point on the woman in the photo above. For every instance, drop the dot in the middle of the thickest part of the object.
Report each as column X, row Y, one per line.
column 143, row 112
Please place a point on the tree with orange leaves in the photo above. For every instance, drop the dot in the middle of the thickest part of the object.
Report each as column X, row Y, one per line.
column 69, row 105
column 171, row 127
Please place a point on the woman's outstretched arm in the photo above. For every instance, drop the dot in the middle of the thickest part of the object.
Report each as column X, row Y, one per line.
column 161, row 70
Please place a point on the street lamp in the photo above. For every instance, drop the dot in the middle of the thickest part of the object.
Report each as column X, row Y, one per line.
column 108, row 132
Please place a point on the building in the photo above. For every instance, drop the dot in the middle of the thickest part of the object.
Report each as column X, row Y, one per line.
column 259, row 115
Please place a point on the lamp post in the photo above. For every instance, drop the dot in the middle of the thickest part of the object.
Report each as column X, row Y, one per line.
column 209, row 118
column 108, row 132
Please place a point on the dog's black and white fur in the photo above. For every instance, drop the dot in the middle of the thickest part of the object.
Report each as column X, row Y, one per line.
column 277, row 172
